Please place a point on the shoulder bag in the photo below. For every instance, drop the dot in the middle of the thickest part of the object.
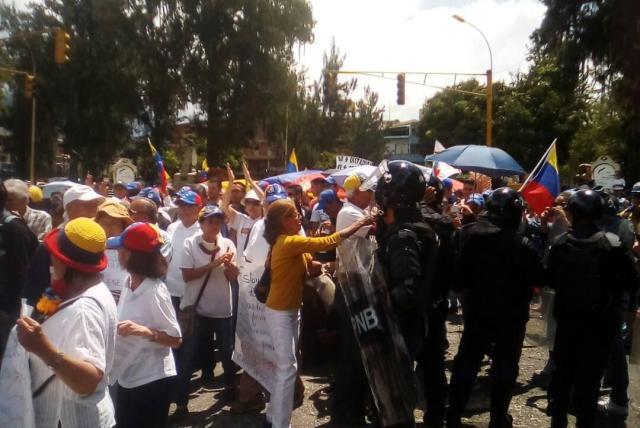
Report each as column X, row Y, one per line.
column 261, row 289
column 187, row 316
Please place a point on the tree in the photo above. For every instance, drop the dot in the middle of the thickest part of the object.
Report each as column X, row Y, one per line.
column 238, row 56
column 599, row 39
column 91, row 100
column 161, row 43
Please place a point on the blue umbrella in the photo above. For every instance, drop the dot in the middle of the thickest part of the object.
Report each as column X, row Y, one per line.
column 490, row 161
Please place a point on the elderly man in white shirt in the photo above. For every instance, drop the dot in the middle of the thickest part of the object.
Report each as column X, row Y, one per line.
column 189, row 203
column 18, row 201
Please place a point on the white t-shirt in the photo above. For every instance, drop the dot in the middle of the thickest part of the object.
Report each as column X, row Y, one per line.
column 257, row 247
column 149, row 305
column 216, row 298
column 242, row 225
column 114, row 276
column 85, row 330
column 348, row 215
column 178, row 234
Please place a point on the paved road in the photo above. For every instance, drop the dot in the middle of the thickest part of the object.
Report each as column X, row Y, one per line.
column 527, row 407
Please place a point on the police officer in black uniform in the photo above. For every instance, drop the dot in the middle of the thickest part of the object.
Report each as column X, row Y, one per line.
column 432, row 358
column 407, row 250
column 497, row 268
column 592, row 271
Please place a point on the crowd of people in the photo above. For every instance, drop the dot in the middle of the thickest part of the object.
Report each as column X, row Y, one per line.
column 117, row 296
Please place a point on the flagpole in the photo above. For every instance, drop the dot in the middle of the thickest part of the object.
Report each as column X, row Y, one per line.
column 542, row 159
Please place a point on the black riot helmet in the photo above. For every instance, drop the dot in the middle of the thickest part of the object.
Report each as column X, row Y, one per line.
column 402, row 185
column 505, row 206
column 585, row 206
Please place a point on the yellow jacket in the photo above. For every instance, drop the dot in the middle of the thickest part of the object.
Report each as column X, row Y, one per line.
column 289, row 258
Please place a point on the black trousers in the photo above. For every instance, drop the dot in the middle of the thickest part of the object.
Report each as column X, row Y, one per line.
column 581, row 351
column 144, row 406
column 476, row 339
column 351, row 384
column 432, row 363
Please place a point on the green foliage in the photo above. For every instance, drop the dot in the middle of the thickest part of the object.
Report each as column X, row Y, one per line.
column 598, row 40
column 321, row 127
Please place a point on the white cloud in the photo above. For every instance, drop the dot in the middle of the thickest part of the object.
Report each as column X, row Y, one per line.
column 417, row 35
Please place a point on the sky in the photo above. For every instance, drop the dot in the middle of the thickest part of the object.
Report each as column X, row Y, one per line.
column 418, row 35
column 422, row 36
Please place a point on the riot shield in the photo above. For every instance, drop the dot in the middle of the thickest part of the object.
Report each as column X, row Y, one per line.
column 385, row 358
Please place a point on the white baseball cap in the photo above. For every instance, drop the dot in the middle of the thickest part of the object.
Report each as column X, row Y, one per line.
column 80, row 193
column 251, row 194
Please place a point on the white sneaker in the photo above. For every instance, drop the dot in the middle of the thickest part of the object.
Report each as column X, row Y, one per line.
column 607, row 406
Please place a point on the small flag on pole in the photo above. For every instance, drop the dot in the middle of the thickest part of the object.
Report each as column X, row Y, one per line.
column 543, row 184
column 159, row 163
column 292, row 165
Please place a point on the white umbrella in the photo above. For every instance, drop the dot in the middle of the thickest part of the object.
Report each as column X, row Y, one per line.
column 341, row 175
column 57, row 186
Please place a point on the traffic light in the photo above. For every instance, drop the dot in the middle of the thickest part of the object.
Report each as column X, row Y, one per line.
column 61, row 46
column 29, row 83
column 401, row 82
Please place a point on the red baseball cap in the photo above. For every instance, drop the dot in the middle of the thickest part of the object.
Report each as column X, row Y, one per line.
column 142, row 237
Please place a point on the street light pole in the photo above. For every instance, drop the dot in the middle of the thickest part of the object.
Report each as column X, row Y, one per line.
column 489, row 119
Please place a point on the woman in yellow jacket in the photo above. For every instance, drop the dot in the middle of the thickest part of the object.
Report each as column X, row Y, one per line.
column 290, row 258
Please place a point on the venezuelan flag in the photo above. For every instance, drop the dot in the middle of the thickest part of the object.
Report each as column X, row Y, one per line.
column 292, row 165
column 543, row 185
column 159, row 163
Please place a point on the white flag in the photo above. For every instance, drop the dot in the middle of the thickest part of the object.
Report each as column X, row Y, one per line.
column 438, row 147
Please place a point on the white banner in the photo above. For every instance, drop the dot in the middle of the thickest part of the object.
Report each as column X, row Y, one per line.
column 344, row 162
column 254, row 350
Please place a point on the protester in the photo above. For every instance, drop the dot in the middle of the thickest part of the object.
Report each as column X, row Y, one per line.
column 120, row 191
column 214, row 190
column 72, row 347
column 17, row 245
column 208, row 266
column 250, row 395
column 237, row 192
column 147, row 319
column 114, row 218
column 145, row 210
column 39, row 222
column 318, row 216
column 186, row 226
column 241, row 222
column 591, row 272
column 498, row 286
column 78, row 201
column 351, row 391
column 288, row 261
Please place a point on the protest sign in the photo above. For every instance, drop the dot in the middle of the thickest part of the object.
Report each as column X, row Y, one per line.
column 254, row 350
column 344, row 162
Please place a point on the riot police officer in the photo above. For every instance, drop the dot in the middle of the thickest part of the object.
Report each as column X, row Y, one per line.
column 432, row 358
column 591, row 271
column 407, row 249
column 497, row 268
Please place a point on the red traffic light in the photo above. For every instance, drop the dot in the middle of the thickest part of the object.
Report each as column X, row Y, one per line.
column 401, row 86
